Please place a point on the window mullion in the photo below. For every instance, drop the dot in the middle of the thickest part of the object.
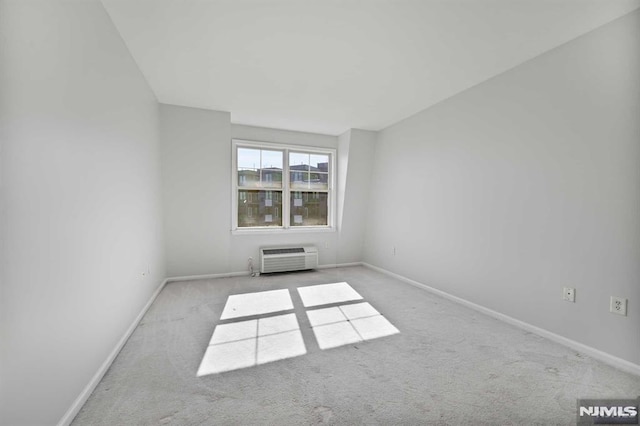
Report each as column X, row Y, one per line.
column 260, row 168
column 286, row 197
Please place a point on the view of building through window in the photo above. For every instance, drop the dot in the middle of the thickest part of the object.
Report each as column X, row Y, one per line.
column 273, row 181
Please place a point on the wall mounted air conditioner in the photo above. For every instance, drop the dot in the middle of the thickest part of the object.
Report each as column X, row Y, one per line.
column 283, row 259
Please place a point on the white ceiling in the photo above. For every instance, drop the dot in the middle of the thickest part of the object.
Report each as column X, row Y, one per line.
column 326, row 65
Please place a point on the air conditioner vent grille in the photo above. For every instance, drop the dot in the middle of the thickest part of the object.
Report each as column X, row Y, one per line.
column 283, row 250
column 284, row 259
column 284, row 264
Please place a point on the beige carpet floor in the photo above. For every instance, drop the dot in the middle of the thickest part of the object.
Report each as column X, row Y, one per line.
column 448, row 365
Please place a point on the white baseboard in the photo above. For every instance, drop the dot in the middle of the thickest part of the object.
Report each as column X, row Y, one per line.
column 244, row 273
column 609, row 359
column 73, row 411
column 207, row 276
column 339, row 265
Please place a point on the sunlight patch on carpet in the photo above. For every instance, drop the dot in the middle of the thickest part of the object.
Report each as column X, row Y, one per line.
column 342, row 325
column 325, row 294
column 263, row 302
column 248, row 343
column 251, row 342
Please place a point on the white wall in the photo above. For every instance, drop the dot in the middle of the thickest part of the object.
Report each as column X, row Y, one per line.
column 263, row 134
column 196, row 164
column 197, row 183
column 355, row 156
column 79, row 200
column 522, row 185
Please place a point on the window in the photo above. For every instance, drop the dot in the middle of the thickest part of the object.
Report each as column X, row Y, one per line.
column 281, row 186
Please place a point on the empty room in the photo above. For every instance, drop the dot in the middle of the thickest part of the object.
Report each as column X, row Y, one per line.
column 287, row 212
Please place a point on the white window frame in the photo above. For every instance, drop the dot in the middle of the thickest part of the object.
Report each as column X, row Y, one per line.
column 286, row 191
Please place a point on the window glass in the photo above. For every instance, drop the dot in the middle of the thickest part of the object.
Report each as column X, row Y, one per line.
column 309, row 208
column 309, row 171
column 259, row 168
column 259, row 208
column 271, row 169
column 264, row 195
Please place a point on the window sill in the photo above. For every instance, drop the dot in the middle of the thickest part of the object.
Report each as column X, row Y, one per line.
column 297, row 230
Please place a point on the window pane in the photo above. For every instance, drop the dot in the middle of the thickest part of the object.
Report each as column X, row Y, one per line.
column 248, row 159
column 271, row 178
column 318, row 180
column 319, row 162
column 259, row 168
column 272, row 159
column 298, row 161
column 259, row 208
column 248, row 167
column 299, row 180
column 309, row 208
column 271, row 173
column 309, row 180
column 309, row 171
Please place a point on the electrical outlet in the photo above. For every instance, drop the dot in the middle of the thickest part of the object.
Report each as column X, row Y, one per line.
column 618, row 305
column 393, row 250
column 569, row 294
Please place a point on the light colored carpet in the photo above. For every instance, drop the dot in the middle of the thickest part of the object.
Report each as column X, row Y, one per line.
column 448, row 365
